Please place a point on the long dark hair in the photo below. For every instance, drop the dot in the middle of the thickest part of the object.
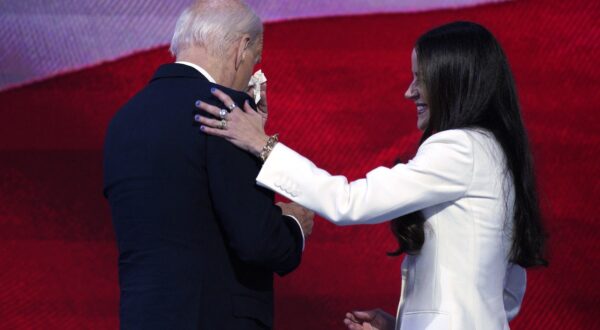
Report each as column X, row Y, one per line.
column 469, row 85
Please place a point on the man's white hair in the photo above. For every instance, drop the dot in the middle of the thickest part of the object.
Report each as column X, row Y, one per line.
column 215, row 25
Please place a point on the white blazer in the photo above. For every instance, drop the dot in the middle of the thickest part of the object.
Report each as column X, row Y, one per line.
column 461, row 278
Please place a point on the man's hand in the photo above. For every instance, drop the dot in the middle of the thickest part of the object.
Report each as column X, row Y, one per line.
column 305, row 216
column 262, row 104
column 257, row 89
column 375, row 319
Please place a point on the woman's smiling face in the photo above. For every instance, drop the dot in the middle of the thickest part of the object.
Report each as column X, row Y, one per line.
column 416, row 92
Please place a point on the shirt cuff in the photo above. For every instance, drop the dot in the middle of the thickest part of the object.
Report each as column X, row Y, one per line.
column 299, row 225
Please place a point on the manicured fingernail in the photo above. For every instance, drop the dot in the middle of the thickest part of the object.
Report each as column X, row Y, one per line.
column 202, row 128
column 213, row 89
column 197, row 117
column 198, row 103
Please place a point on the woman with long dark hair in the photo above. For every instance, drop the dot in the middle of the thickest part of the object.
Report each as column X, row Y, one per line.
column 464, row 209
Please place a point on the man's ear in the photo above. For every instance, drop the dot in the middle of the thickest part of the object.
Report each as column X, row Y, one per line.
column 242, row 50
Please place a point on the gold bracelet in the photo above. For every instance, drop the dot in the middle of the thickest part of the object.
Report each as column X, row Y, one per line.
column 266, row 150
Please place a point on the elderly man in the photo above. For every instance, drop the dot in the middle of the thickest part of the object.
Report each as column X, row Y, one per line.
column 198, row 240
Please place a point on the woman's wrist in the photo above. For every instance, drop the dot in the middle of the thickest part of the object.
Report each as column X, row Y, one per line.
column 267, row 147
column 259, row 143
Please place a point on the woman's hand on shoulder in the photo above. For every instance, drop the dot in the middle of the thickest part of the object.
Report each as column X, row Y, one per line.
column 244, row 128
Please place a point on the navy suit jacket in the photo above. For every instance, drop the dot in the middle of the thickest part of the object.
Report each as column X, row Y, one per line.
column 198, row 239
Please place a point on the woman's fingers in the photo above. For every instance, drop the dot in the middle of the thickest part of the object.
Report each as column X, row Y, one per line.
column 352, row 317
column 263, row 95
column 214, row 131
column 223, row 98
column 352, row 322
column 211, row 109
column 365, row 315
column 250, row 91
column 251, row 113
column 243, row 126
column 352, row 326
column 208, row 122
column 216, row 111
column 248, row 109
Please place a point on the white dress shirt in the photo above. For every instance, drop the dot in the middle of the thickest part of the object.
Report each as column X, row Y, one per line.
column 461, row 279
column 200, row 69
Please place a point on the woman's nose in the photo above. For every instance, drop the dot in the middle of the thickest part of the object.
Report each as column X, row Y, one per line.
column 411, row 92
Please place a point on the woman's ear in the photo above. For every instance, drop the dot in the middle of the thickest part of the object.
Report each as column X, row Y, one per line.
column 242, row 48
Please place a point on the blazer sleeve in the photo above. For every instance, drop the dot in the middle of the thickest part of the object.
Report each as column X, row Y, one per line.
column 441, row 171
column 255, row 229
column 515, row 283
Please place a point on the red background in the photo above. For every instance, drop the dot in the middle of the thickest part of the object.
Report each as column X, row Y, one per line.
column 336, row 95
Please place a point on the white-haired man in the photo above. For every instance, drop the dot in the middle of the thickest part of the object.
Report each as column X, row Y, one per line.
column 198, row 240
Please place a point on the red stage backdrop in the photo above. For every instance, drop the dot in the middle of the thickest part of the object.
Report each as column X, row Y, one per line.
column 336, row 90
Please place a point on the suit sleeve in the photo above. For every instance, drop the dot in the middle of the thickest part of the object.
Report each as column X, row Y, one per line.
column 255, row 228
column 440, row 172
column 515, row 283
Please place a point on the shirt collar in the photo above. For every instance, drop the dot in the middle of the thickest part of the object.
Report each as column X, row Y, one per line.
column 201, row 70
